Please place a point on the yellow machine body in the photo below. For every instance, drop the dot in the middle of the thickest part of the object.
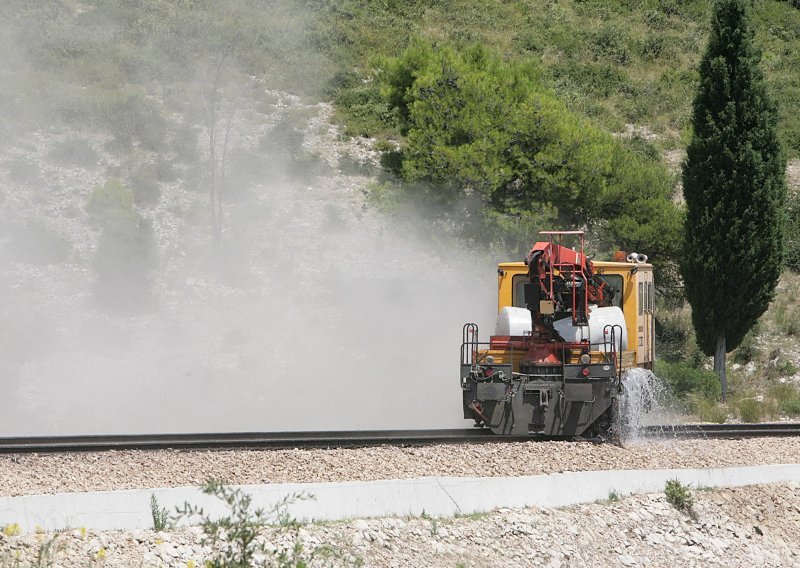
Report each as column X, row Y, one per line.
column 634, row 295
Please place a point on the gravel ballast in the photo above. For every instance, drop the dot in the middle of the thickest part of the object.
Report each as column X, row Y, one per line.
column 100, row 471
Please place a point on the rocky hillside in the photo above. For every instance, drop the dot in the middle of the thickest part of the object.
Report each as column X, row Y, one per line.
column 308, row 297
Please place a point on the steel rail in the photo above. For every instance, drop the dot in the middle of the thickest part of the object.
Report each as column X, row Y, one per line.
column 244, row 440
column 343, row 439
column 757, row 430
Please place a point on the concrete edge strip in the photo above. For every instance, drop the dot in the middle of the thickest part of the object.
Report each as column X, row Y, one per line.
column 436, row 496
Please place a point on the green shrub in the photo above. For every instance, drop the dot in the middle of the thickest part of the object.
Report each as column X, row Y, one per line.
column 748, row 349
column 707, row 409
column 133, row 118
column 786, row 397
column 364, row 111
column 786, row 368
column 675, row 340
column 792, row 407
column 792, row 237
column 612, row 42
column 752, row 408
column 126, row 253
column 787, row 315
column 124, row 260
column 679, row 495
column 685, row 379
column 601, row 79
column 110, row 203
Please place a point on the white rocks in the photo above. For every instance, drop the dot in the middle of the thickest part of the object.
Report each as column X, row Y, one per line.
column 654, row 538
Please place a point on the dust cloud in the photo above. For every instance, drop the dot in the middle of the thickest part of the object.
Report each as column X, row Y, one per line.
column 313, row 312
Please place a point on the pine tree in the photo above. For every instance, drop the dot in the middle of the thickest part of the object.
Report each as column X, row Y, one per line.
column 735, row 187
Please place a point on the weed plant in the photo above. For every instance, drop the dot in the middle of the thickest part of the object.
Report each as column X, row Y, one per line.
column 679, row 495
column 161, row 518
column 237, row 540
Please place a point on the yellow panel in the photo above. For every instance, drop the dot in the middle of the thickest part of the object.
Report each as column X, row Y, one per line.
column 630, row 300
column 504, row 282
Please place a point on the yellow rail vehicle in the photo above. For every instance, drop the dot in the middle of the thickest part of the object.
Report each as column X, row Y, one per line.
column 568, row 329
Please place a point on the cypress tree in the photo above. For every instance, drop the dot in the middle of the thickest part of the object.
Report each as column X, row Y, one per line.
column 735, row 187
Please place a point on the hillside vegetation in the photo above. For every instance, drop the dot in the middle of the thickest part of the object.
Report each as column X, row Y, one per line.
column 493, row 119
column 617, row 62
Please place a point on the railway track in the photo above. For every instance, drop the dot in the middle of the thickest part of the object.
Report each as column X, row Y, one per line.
column 254, row 440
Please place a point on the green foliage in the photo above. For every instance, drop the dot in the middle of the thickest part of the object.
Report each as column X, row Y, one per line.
column 707, row 409
column 283, row 147
column 748, row 349
column 126, row 253
column 684, row 379
column 125, row 67
column 734, row 185
column 135, row 119
column 489, row 136
column 786, row 314
column 145, row 177
column 612, row 42
column 109, row 204
column 751, row 408
column 365, row 111
column 675, row 341
column 792, row 236
column 236, row 541
column 679, row 495
column 787, row 398
column 613, row 496
column 161, row 518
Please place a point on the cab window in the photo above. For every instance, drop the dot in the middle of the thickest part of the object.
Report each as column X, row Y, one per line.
column 518, row 290
column 614, row 281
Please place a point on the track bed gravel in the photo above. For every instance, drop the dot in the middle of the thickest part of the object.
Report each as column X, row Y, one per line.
column 98, row 471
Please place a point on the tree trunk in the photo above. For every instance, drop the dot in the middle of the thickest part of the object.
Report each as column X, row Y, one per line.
column 719, row 365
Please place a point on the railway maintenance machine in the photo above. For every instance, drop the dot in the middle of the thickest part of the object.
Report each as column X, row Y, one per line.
column 568, row 329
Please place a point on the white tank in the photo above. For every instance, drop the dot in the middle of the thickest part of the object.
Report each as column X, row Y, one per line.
column 514, row 321
column 599, row 318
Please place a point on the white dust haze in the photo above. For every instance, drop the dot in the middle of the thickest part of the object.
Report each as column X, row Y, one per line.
column 314, row 312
